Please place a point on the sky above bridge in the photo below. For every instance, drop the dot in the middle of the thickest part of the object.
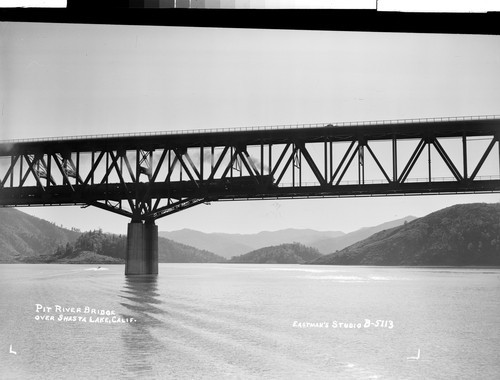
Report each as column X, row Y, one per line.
column 65, row 80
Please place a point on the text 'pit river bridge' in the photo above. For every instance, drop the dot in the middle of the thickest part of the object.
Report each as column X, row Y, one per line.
column 151, row 175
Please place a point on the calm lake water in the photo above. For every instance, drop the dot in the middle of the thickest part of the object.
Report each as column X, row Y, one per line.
column 220, row 321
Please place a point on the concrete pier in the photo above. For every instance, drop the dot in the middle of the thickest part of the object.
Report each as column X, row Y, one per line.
column 142, row 248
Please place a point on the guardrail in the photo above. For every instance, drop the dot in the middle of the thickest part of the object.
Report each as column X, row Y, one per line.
column 258, row 128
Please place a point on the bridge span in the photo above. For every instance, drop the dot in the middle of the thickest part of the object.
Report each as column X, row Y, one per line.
column 151, row 175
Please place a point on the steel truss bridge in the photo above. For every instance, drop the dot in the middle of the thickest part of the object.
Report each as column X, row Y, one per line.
column 152, row 175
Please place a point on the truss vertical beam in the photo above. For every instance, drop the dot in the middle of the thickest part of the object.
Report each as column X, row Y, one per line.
column 79, row 178
column 49, row 171
column 202, row 163
column 262, row 158
column 21, row 171
column 464, row 152
column 325, row 157
column 331, row 161
column 361, row 164
column 394, row 159
column 429, row 163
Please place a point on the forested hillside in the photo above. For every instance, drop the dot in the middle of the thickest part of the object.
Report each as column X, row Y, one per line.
column 24, row 237
column 467, row 234
column 294, row 253
column 98, row 247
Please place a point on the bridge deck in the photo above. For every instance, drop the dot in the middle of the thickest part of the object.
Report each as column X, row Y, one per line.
column 342, row 131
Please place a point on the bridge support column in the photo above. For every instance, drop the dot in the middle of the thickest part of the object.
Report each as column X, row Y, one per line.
column 142, row 248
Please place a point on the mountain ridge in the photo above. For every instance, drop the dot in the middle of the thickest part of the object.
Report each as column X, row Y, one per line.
column 229, row 245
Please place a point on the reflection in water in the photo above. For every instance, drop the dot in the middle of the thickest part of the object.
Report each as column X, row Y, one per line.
column 141, row 297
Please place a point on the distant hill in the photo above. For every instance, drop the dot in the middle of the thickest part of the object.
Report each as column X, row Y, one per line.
column 332, row 244
column 225, row 245
column 228, row 245
column 172, row 252
column 294, row 253
column 467, row 234
column 23, row 236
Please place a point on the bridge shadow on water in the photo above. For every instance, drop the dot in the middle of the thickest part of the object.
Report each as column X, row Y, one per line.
column 141, row 298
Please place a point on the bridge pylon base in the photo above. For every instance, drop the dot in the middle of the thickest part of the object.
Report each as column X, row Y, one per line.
column 142, row 249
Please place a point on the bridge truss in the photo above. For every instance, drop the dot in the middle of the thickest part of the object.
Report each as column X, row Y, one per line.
column 149, row 176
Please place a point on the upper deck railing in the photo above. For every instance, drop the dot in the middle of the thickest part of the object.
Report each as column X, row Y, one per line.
column 258, row 128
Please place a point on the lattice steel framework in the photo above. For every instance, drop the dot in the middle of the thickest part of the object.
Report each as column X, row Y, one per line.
column 149, row 176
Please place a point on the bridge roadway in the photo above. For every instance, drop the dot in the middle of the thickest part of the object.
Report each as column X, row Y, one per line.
column 148, row 176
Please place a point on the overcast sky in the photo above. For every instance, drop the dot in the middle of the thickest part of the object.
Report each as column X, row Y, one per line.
column 67, row 80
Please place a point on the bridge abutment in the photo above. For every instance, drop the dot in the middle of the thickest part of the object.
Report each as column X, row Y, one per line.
column 142, row 248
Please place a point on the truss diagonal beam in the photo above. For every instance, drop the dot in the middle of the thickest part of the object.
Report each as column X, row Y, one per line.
column 48, row 175
column 253, row 174
column 287, row 164
column 218, row 163
column 483, row 158
column 193, row 166
column 411, row 162
column 311, row 164
column 447, row 160
column 344, row 158
column 378, row 163
column 245, row 157
column 230, row 165
column 114, row 163
column 13, row 162
column 181, row 160
column 30, row 169
column 129, row 167
column 282, row 155
column 356, row 150
column 94, row 167
column 63, row 172
column 171, row 168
